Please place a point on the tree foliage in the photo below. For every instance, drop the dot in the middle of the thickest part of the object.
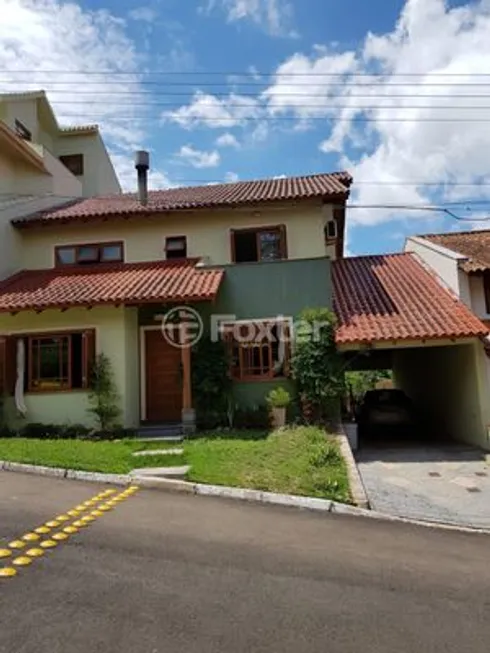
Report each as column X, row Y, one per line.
column 104, row 398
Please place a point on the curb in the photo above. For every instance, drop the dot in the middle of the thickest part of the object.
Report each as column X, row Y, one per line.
column 356, row 485
column 71, row 474
column 240, row 494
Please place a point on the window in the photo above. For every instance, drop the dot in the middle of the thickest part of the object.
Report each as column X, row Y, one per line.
column 331, row 230
column 22, row 131
column 53, row 361
column 176, row 247
column 74, row 163
column 89, row 254
column 486, row 288
column 258, row 350
column 252, row 245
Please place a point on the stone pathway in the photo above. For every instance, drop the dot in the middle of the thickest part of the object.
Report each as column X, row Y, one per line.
column 447, row 484
column 160, row 452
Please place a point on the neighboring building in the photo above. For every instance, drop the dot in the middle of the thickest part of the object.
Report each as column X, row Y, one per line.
column 98, row 274
column 74, row 160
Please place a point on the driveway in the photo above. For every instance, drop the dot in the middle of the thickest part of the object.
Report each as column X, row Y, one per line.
column 444, row 484
column 164, row 573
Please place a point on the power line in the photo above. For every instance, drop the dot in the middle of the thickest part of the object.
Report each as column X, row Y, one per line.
column 231, row 121
column 247, row 73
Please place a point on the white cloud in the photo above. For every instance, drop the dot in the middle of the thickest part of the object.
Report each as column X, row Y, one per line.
column 228, row 140
column 144, row 14
column 207, row 109
column 124, row 165
column 275, row 16
column 199, row 158
column 231, row 177
column 51, row 35
column 449, row 46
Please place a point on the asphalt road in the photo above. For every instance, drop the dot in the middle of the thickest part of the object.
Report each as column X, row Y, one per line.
column 174, row 573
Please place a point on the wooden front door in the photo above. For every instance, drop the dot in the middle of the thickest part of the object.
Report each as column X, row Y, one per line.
column 163, row 379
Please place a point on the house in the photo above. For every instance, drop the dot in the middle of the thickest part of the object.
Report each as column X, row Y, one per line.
column 98, row 274
column 43, row 165
column 64, row 161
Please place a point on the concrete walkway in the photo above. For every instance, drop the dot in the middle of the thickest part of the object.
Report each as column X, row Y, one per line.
column 445, row 484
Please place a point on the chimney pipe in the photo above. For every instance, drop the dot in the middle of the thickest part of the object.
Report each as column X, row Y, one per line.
column 142, row 165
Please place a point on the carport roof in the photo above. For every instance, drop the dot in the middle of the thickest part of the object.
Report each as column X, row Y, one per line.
column 393, row 297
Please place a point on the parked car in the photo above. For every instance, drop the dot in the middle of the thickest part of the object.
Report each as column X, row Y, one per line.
column 386, row 412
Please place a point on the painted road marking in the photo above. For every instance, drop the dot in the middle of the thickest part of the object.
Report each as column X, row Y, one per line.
column 69, row 529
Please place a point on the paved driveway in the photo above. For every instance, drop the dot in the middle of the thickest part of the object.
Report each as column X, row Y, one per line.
column 438, row 484
column 164, row 573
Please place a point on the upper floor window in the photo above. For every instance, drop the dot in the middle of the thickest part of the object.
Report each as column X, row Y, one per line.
column 74, row 163
column 89, row 254
column 176, row 247
column 22, row 131
column 263, row 244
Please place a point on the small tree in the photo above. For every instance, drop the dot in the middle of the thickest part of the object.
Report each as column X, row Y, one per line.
column 211, row 383
column 104, row 398
column 316, row 365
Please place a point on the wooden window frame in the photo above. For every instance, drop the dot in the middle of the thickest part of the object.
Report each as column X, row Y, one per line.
column 22, row 131
column 278, row 228
column 8, row 372
column 175, row 258
column 243, row 348
column 74, row 157
column 78, row 247
column 32, row 377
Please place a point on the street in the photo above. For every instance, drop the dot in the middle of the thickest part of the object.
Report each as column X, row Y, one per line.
column 174, row 573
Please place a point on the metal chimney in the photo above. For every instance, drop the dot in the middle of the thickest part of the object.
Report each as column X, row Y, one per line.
column 142, row 165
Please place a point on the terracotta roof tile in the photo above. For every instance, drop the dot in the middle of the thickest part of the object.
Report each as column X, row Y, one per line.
column 109, row 284
column 475, row 245
column 393, row 297
column 331, row 186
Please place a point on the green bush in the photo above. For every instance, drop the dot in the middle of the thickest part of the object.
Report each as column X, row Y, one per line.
column 251, row 417
column 104, row 398
column 278, row 398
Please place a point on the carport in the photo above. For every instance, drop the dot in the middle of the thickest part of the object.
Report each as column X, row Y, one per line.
column 395, row 313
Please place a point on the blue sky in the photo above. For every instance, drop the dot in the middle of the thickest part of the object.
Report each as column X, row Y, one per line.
column 240, row 89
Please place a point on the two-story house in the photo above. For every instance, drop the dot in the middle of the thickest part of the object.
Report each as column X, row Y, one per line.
column 98, row 274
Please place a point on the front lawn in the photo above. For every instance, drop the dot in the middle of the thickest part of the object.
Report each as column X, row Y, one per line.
column 292, row 461
column 107, row 457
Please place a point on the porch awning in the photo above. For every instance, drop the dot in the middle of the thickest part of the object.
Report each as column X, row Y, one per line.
column 109, row 284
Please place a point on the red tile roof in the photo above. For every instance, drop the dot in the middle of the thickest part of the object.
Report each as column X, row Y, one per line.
column 392, row 297
column 334, row 186
column 475, row 245
column 109, row 284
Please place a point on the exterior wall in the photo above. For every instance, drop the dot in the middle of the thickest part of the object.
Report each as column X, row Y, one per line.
column 99, row 177
column 208, row 234
column 442, row 261
column 23, row 110
column 63, row 183
column 116, row 336
column 449, row 387
column 477, row 293
column 132, row 379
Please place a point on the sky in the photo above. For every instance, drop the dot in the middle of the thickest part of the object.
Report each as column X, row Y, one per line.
column 395, row 91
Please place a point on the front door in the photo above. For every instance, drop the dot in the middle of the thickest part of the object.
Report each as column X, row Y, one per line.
column 163, row 379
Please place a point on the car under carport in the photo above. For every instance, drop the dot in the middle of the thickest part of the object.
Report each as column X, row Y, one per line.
column 395, row 313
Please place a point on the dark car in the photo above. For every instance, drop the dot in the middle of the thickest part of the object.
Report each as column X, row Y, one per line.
column 386, row 412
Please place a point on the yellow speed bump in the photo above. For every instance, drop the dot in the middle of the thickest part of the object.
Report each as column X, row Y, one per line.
column 59, row 537
column 22, row 561
column 52, row 524
column 31, row 537
column 8, row 572
column 79, row 524
column 80, row 508
column 70, row 530
column 104, row 507
column 48, row 544
column 97, row 513
column 62, row 518
column 110, row 491
column 42, row 530
column 87, row 519
column 35, row 553
column 73, row 513
column 17, row 544
column 5, row 553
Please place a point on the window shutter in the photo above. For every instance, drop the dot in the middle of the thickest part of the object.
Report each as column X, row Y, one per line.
column 88, row 356
column 8, row 365
column 232, row 246
column 284, row 241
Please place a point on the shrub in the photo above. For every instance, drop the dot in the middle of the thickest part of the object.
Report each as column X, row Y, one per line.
column 251, row 417
column 278, row 398
column 104, row 397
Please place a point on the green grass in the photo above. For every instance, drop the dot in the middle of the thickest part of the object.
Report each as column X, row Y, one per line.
column 293, row 461
column 107, row 457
